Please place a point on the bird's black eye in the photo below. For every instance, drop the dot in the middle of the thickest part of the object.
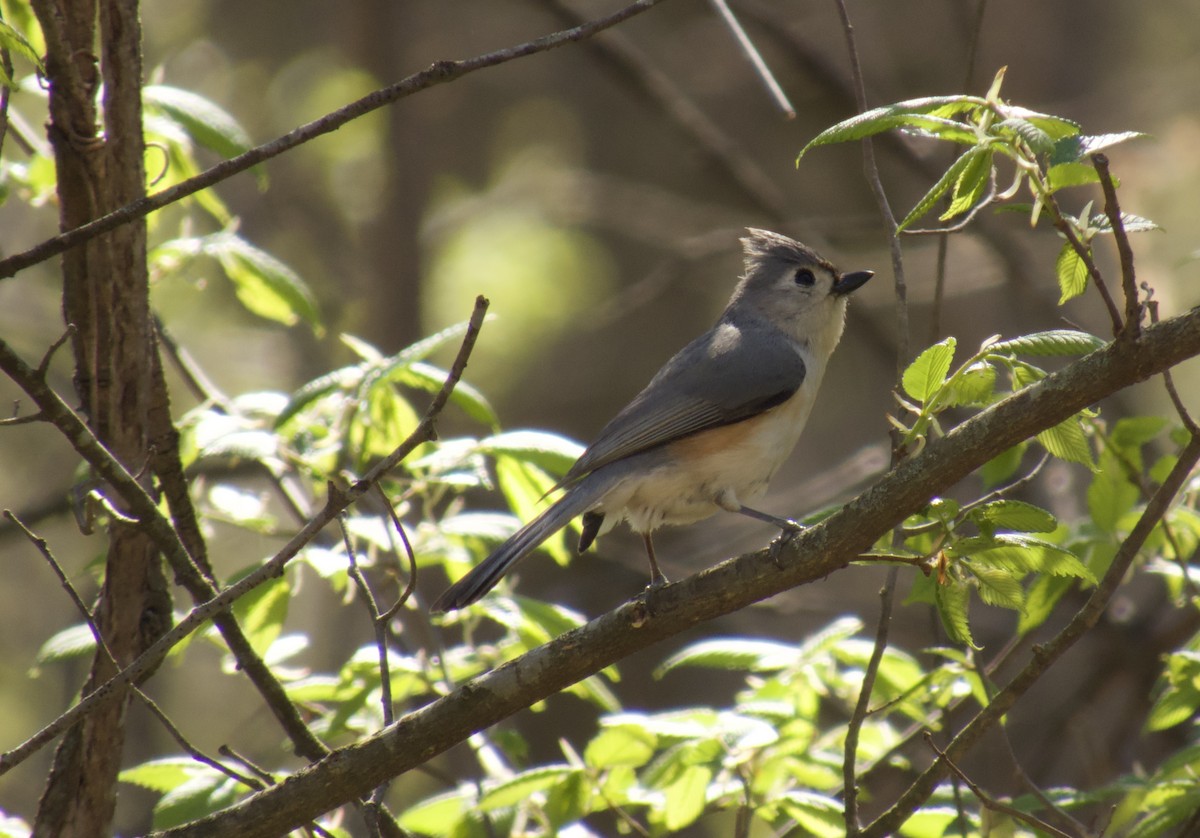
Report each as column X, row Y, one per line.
column 804, row 278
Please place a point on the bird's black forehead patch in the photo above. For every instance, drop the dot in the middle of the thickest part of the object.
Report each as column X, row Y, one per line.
column 764, row 246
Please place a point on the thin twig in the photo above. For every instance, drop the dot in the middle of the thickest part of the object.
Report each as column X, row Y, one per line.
column 1184, row 416
column 372, row 808
column 1054, row 811
column 871, row 171
column 756, row 59
column 850, row 785
column 336, row 501
column 386, row 616
column 1112, row 208
column 990, row 802
column 440, row 72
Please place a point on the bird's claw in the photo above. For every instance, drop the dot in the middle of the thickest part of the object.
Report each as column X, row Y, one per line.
column 787, row 534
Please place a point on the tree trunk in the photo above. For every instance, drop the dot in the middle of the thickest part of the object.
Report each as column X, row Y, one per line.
column 106, row 302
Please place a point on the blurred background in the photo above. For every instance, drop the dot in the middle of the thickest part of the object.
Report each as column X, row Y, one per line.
column 595, row 194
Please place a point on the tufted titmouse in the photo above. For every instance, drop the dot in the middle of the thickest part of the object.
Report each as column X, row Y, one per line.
column 713, row 426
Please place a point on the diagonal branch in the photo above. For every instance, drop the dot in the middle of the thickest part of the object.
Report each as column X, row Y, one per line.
column 423, row 734
column 438, row 73
column 1133, row 314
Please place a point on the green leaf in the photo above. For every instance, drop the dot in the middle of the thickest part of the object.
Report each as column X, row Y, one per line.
column 1072, row 273
column 551, row 452
column 1003, row 466
column 1076, row 148
column 1014, row 515
column 998, row 587
column 72, row 642
column 928, row 372
column 15, row 42
column 928, row 114
column 815, row 814
column 262, row 611
column 1132, row 432
column 948, row 179
column 953, row 600
column 971, row 184
column 1176, row 705
column 1053, row 343
column 263, row 284
column 1067, row 441
column 206, row 123
column 1110, row 495
column 1056, row 127
column 430, row 378
column 1023, row 554
column 1043, row 595
column 687, row 797
column 345, row 378
column 1038, row 140
column 163, row 775
column 437, row 815
column 1063, row 175
column 739, row 654
column 1131, row 223
column 518, row 789
column 620, row 745
column 974, row 386
column 524, row 486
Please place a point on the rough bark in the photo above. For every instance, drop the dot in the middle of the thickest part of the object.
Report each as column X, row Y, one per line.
column 105, row 301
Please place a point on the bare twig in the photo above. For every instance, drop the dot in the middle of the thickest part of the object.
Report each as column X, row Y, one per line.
column 440, row 72
column 336, row 501
column 1053, row 810
column 386, row 616
column 849, row 766
column 1133, row 309
column 373, row 810
column 1184, row 416
column 871, row 171
column 990, row 802
column 756, row 59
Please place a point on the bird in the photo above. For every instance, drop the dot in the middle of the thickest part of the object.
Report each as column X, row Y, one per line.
column 712, row 427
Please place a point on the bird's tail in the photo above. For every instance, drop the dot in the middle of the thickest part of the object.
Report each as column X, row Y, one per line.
column 484, row 576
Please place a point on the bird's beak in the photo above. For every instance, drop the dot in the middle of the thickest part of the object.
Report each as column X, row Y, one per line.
column 848, row 282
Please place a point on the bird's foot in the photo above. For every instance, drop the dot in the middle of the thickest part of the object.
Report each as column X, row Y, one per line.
column 788, row 530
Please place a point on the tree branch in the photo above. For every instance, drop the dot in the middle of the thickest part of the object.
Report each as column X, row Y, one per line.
column 438, row 73
column 814, row 554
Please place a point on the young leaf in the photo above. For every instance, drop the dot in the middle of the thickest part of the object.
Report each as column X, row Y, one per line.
column 1076, row 148
column 1024, row 554
column 1015, row 515
column 206, row 123
column 620, row 745
column 953, row 600
column 263, row 284
column 998, row 587
column 947, row 180
column 72, row 642
column 1067, row 442
column 517, row 790
column 914, row 113
column 928, row 372
column 975, row 386
column 14, row 41
column 687, row 796
column 971, row 184
column 1062, row 175
column 1039, row 141
column 1072, row 273
column 1131, row 224
column 1003, row 466
column 551, row 452
column 1043, row 595
column 1054, row 343
column 735, row 653
column 1056, row 127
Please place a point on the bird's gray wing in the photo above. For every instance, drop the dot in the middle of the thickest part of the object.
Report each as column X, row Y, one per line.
column 718, row 379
